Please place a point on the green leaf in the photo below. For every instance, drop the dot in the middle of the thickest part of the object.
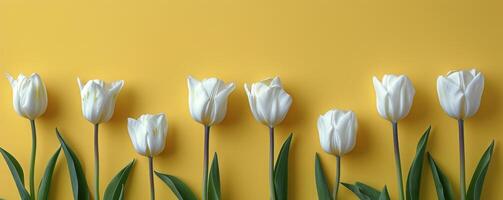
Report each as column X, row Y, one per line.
column 321, row 182
column 117, row 184
column 384, row 194
column 181, row 191
column 416, row 169
column 368, row 191
column 365, row 192
column 77, row 176
column 123, row 190
column 214, row 180
column 281, row 171
column 17, row 173
column 356, row 190
column 45, row 183
column 475, row 188
column 442, row 184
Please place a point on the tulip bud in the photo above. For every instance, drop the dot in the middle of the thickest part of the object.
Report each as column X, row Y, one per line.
column 208, row 99
column 460, row 92
column 29, row 95
column 98, row 99
column 148, row 134
column 269, row 102
column 394, row 96
column 337, row 131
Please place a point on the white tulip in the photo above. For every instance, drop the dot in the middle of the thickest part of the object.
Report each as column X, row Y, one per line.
column 148, row 133
column 29, row 95
column 98, row 99
column 337, row 131
column 394, row 96
column 460, row 92
column 269, row 102
column 208, row 99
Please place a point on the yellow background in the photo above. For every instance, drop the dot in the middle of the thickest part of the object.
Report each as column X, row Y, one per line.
column 325, row 51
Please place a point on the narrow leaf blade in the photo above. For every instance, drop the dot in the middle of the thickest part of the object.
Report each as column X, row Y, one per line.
column 356, row 190
column 384, row 194
column 181, row 191
column 45, row 183
column 281, row 171
column 117, row 184
column 17, row 173
column 77, row 176
column 442, row 184
column 321, row 182
column 416, row 169
column 214, row 180
column 368, row 191
column 477, row 182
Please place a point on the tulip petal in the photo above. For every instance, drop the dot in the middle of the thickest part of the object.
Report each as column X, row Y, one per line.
column 450, row 96
column 473, row 95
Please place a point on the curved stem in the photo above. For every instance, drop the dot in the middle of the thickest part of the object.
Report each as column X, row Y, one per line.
column 151, row 176
column 397, row 161
column 96, row 164
column 33, row 154
column 271, row 162
column 337, row 177
column 205, row 161
column 462, row 182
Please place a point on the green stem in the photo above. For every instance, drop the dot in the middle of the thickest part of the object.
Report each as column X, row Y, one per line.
column 337, row 177
column 462, row 159
column 205, row 161
column 271, row 163
column 397, row 161
column 33, row 154
column 151, row 175
column 96, row 164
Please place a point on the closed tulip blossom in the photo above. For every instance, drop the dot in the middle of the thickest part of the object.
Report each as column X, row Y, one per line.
column 148, row 135
column 337, row 131
column 98, row 105
column 30, row 101
column 394, row 97
column 208, row 99
column 269, row 104
column 208, row 106
column 459, row 93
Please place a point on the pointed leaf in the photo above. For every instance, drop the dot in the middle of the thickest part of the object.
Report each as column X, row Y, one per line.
column 45, row 183
column 181, row 191
column 475, row 188
column 214, row 180
column 384, row 194
column 77, row 176
column 321, row 183
column 17, row 173
column 442, row 184
column 281, row 171
column 416, row 169
column 356, row 190
column 117, row 184
column 368, row 191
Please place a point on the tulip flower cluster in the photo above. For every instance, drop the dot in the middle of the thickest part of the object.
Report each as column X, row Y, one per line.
column 459, row 94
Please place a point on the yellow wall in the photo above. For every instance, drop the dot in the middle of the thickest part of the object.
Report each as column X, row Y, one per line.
column 325, row 51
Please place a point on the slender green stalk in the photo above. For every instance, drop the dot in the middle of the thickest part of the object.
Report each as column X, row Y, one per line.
column 33, row 154
column 151, row 176
column 205, row 161
column 462, row 182
column 337, row 177
column 271, row 163
column 397, row 161
column 96, row 164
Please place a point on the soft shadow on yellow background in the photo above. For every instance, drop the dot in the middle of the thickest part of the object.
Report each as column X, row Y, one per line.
column 325, row 51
